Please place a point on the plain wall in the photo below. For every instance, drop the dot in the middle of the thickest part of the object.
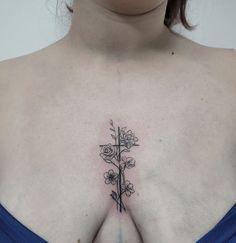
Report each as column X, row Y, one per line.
column 30, row 25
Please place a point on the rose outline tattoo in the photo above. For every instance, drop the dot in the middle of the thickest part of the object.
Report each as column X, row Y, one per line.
column 108, row 152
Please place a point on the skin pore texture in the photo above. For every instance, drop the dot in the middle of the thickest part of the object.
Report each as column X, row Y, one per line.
column 119, row 62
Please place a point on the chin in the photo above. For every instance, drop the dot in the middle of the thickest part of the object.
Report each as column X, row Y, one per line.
column 130, row 7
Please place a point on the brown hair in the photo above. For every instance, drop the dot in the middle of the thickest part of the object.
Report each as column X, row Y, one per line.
column 175, row 11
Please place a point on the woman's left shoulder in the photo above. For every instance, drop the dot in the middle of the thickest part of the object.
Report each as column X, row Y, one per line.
column 213, row 59
column 219, row 62
column 224, row 59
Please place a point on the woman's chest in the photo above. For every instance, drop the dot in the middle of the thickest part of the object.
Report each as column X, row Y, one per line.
column 51, row 137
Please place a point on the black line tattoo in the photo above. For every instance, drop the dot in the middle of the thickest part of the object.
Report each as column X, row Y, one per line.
column 114, row 154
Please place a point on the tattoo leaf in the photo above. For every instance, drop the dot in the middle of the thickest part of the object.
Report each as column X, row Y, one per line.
column 114, row 195
column 125, row 150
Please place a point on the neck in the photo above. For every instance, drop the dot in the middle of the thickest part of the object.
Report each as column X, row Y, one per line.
column 97, row 28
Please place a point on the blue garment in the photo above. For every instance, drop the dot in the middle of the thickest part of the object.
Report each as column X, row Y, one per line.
column 224, row 231
column 12, row 231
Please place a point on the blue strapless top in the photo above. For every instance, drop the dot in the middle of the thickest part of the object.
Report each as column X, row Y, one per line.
column 12, row 231
column 224, row 231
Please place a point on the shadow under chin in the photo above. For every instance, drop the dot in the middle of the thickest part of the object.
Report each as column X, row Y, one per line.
column 131, row 7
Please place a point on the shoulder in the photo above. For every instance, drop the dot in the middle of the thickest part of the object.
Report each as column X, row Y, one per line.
column 218, row 64
column 19, row 76
column 40, row 65
column 8, row 68
column 223, row 62
column 15, row 75
column 216, row 60
column 13, row 70
column 50, row 62
column 49, row 56
column 208, row 71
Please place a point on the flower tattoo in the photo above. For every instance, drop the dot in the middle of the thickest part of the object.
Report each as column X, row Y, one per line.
column 108, row 152
column 110, row 177
column 128, row 188
column 128, row 138
column 127, row 162
column 113, row 154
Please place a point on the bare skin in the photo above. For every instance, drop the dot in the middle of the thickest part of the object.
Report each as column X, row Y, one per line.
column 55, row 106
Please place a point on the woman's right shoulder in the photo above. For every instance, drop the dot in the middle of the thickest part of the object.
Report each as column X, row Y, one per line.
column 14, row 70
column 11, row 74
column 19, row 74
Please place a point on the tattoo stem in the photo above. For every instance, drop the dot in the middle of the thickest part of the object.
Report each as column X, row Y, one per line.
column 120, row 195
column 114, row 164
